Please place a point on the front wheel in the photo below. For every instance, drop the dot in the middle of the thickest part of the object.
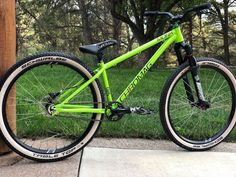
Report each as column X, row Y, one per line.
column 191, row 126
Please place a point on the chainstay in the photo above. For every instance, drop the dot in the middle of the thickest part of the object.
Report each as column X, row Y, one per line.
column 87, row 119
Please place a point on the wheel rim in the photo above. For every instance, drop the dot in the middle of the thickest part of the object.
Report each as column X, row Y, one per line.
column 60, row 133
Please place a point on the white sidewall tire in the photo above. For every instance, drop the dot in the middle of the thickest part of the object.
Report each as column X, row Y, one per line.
column 220, row 138
column 45, row 157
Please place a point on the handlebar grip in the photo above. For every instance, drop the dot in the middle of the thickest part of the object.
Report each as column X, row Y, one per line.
column 198, row 8
column 201, row 7
column 151, row 13
column 158, row 13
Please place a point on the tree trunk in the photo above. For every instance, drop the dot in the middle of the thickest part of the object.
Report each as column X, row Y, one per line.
column 225, row 27
column 7, row 49
column 116, row 30
column 202, row 34
column 191, row 32
column 224, row 20
column 87, row 32
column 143, row 33
column 226, row 46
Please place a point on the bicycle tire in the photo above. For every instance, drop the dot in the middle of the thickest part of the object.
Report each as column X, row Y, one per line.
column 199, row 129
column 39, row 74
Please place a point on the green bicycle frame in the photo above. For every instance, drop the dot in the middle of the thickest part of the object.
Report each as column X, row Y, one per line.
column 173, row 36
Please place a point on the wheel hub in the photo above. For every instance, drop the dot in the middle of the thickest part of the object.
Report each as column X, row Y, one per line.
column 50, row 109
column 47, row 105
column 203, row 105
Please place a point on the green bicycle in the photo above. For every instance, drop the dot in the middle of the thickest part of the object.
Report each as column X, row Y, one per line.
column 54, row 95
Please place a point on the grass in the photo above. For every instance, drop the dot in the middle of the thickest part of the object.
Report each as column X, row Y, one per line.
column 146, row 94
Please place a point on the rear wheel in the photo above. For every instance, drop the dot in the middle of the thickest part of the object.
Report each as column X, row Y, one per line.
column 36, row 83
column 190, row 125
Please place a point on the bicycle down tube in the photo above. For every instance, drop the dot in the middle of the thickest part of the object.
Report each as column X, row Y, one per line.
column 168, row 38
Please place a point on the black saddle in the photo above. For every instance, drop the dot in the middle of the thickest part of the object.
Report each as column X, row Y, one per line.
column 96, row 49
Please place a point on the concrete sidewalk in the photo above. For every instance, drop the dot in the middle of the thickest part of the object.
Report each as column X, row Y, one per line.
column 28, row 168
column 107, row 162
column 126, row 157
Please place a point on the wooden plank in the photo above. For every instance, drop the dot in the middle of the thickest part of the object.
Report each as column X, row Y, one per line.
column 7, row 48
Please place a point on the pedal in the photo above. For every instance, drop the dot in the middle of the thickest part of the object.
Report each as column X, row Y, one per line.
column 141, row 111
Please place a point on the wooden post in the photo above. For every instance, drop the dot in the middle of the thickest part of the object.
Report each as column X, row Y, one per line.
column 7, row 47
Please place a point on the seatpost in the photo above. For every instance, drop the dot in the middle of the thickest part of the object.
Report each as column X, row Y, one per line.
column 100, row 56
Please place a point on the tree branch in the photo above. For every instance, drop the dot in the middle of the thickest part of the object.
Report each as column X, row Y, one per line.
column 136, row 15
column 123, row 18
column 218, row 12
column 161, row 20
column 27, row 11
column 172, row 5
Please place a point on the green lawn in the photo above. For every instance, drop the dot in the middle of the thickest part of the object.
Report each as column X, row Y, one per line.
column 146, row 94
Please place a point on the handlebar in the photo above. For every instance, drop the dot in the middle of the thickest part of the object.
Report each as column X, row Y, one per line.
column 179, row 18
column 158, row 13
column 200, row 7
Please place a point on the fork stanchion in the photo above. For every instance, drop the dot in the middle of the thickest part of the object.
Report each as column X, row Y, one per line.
column 8, row 55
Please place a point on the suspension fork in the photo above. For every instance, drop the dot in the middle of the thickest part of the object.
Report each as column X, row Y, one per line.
column 194, row 72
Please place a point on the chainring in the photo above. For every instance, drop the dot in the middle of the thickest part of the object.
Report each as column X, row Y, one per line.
column 110, row 111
